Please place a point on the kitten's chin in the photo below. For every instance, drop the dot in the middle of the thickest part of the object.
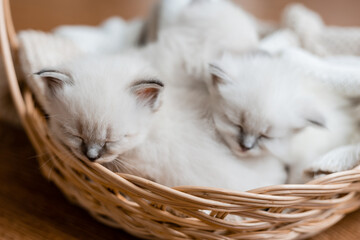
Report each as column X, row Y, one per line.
column 105, row 160
column 100, row 160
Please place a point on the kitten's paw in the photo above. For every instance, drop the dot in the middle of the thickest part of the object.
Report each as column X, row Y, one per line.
column 339, row 159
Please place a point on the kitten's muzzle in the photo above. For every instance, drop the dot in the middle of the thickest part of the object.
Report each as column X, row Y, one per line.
column 92, row 151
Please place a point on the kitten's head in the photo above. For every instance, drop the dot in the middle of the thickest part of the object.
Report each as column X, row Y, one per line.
column 101, row 107
column 258, row 102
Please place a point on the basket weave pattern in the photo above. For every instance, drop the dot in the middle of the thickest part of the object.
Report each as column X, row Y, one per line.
column 152, row 211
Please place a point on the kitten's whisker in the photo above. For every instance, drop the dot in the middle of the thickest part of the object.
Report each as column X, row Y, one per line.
column 44, row 163
column 50, row 171
column 122, row 166
column 56, row 118
column 37, row 156
column 116, row 166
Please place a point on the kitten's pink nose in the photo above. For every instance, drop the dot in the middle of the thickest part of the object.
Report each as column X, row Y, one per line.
column 245, row 148
column 247, row 142
column 92, row 152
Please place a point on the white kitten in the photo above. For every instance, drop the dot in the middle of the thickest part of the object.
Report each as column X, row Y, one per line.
column 201, row 32
column 262, row 104
column 342, row 158
column 171, row 13
column 339, row 73
column 115, row 109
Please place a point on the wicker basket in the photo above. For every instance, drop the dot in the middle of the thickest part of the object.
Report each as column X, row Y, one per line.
column 149, row 210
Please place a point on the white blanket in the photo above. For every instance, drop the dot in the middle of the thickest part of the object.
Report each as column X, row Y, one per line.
column 328, row 54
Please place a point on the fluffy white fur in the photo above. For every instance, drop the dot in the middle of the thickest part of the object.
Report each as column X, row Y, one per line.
column 201, row 32
column 166, row 14
column 113, row 35
column 262, row 104
column 342, row 158
column 341, row 75
column 169, row 12
column 154, row 134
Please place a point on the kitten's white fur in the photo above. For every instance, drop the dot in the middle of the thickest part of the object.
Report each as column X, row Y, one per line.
column 338, row 73
column 171, row 145
column 174, row 145
column 201, row 32
column 271, row 101
column 342, row 158
column 112, row 36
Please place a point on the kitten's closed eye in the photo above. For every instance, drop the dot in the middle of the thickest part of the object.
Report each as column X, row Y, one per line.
column 241, row 129
column 125, row 138
column 70, row 133
column 130, row 135
column 111, row 141
column 76, row 136
column 266, row 137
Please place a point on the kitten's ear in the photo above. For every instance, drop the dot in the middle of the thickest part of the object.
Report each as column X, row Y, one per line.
column 54, row 79
column 148, row 92
column 218, row 75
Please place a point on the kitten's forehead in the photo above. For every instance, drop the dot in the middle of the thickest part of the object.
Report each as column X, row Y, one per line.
column 100, row 96
column 265, row 86
column 93, row 131
column 123, row 69
column 257, row 112
column 259, row 70
column 244, row 114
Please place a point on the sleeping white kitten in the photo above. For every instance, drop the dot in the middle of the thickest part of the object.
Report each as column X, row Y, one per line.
column 262, row 104
column 342, row 158
column 202, row 31
column 170, row 13
column 115, row 109
column 341, row 74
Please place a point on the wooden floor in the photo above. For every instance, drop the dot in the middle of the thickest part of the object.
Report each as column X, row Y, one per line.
column 33, row 208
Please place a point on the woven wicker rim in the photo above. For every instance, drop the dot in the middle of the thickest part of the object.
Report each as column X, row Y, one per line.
column 153, row 211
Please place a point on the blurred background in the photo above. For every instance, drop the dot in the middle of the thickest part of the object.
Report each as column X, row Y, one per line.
column 47, row 14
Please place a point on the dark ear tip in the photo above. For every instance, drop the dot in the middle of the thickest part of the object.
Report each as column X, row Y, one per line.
column 156, row 82
column 43, row 71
